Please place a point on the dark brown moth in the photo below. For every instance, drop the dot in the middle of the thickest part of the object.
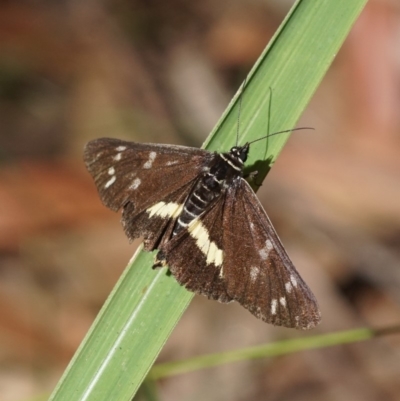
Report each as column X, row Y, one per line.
column 196, row 208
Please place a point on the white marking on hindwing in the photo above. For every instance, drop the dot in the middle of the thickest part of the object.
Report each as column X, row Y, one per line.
column 200, row 233
column 254, row 272
column 149, row 162
column 111, row 171
column 282, row 301
column 120, row 148
column 293, row 280
column 117, row 157
column 264, row 252
column 163, row 209
column 274, row 304
column 135, row 184
column 288, row 287
column 110, row 181
column 172, row 162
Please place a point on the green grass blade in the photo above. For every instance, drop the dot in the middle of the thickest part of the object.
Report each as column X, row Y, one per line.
column 144, row 307
column 119, row 349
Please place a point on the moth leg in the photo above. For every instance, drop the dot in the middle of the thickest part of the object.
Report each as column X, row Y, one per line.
column 252, row 177
column 159, row 260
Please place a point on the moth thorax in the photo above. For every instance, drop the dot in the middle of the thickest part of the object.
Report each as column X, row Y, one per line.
column 213, row 181
column 232, row 163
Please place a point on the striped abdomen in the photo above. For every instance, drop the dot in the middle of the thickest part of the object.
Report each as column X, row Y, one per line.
column 207, row 189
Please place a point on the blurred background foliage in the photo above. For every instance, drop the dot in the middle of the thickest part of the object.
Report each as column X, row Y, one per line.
column 157, row 71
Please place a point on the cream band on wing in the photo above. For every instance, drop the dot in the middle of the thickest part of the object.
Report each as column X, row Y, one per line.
column 163, row 209
column 200, row 233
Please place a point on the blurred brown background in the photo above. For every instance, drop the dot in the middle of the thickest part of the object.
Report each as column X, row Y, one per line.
column 163, row 71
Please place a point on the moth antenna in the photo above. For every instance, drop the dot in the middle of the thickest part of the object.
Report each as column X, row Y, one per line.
column 240, row 109
column 281, row 132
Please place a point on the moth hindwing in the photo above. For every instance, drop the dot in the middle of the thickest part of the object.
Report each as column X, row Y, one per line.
column 196, row 208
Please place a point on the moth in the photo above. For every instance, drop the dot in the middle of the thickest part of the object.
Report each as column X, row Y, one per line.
column 198, row 210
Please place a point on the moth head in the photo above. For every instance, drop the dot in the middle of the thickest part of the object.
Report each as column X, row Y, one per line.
column 241, row 152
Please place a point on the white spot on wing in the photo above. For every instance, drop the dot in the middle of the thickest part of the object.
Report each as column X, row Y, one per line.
column 135, row 184
column 111, row 171
column 288, row 287
column 149, row 162
column 200, row 233
column 293, row 280
column 163, row 209
column 254, row 272
column 172, row 162
column 120, row 148
column 274, row 304
column 117, row 157
column 110, row 181
column 264, row 252
column 282, row 301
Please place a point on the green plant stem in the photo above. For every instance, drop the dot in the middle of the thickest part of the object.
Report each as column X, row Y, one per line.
column 268, row 350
